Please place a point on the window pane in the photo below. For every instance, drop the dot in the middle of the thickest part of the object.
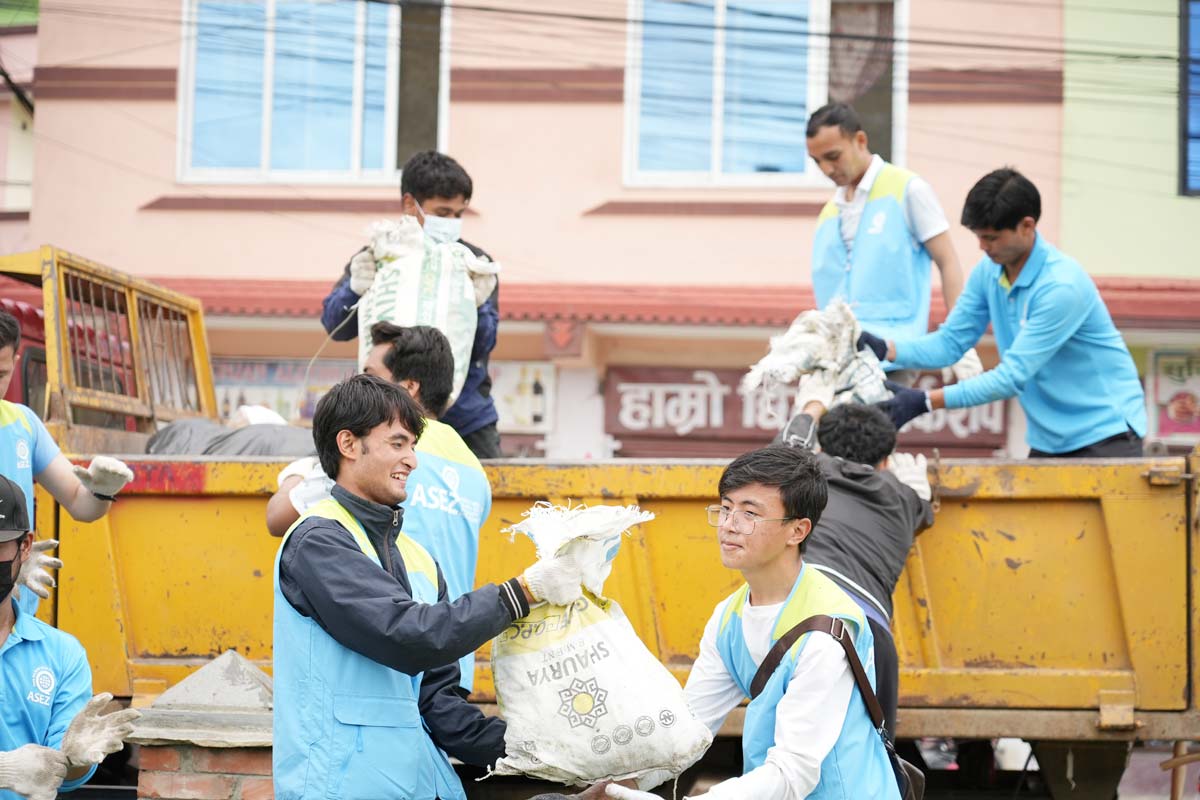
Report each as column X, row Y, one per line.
column 227, row 108
column 675, row 111
column 311, row 124
column 1193, row 98
column 375, row 84
column 766, row 86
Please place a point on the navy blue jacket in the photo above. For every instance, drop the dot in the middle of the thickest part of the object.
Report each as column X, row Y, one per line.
column 474, row 408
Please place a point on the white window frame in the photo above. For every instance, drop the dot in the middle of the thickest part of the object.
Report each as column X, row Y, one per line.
column 818, row 93
column 264, row 174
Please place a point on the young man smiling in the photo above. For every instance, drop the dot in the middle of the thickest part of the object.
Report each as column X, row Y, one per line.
column 366, row 639
column 807, row 734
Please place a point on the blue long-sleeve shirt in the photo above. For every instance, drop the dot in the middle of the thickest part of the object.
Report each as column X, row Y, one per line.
column 474, row 408
column 1060, row 353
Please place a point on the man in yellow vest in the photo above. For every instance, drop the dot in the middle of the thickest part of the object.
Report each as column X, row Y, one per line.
column 876, row 237
column 366, row 639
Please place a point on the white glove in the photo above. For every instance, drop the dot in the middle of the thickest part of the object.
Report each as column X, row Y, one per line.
column 33, row 572
column 967, row 367
column 33, row 771
column 557, row 580
column 913, row 472
column 815, row 387
column 362, row 272
column 625, row 793
column 104, row 476
column 92, row 735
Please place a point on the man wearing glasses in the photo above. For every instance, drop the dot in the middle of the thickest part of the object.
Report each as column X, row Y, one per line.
column 808, row 732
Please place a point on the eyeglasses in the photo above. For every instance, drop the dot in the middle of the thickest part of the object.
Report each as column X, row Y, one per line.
column 743, row 521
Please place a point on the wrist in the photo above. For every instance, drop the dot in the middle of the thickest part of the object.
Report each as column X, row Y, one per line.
column 935, row 399
column 891, row 350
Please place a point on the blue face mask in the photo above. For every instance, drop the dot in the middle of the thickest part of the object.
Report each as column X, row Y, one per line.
column 442, row 230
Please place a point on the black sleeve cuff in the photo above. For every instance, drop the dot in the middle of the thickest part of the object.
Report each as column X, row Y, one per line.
column 512, row 597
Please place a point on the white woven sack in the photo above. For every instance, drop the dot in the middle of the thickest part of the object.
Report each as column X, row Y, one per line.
column 420, row 282
column 583, row 697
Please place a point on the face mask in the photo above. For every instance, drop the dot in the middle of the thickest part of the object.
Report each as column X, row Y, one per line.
column 442, row 230
column 8, row 578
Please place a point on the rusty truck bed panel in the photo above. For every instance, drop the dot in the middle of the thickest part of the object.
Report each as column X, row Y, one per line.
column 1042, row 585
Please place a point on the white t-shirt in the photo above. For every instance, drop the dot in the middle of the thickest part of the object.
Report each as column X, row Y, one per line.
column 922, row 213
column 808, row 719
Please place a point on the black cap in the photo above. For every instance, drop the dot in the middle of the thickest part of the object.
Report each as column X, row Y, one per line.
column 14, row 519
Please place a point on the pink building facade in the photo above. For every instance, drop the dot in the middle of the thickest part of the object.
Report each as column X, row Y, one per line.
column 639, row 167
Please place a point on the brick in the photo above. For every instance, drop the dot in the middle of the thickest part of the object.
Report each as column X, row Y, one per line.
column 257, row 789
column 178, row 786
column 232, row 761
column 157, row 759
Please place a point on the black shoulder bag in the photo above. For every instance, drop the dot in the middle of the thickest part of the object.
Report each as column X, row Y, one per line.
column 910, row 779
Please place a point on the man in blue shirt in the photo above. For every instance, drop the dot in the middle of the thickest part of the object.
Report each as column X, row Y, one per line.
column 436, row 190
column 51, row 736
column 27, row 451
column 1060, row 353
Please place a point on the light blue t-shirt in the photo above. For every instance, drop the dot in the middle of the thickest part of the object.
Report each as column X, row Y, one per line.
column 45, row 681
column 1060, row 353
column 26, row 449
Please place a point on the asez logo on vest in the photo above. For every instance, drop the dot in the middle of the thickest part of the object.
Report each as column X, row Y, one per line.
column 43, row 684
column 877, row 223
column 22, row 454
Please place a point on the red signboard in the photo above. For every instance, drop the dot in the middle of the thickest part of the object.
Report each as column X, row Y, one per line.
column 665, row 411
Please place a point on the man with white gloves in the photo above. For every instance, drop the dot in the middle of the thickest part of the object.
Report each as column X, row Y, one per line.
column 876, row 238
column 27, row 452
column 51, row 736
column 366, row 641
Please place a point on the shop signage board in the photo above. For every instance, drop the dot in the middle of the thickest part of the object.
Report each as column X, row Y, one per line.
column 1173, row 395
column 277, row 383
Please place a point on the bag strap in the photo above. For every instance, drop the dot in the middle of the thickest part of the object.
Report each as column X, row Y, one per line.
column 820, row 623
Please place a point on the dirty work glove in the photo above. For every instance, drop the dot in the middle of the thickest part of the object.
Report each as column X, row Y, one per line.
column 869, row 341
column 92, row 735
column 816, row 387
column 362, row 272
column 557, row 580
column 104, row 477
column 906, row 404
column 912, row 471
column 33, row 572
column 967, row 367
column 33, row 771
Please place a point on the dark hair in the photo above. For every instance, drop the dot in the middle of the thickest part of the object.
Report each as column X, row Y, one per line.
column 10, row 330
column 359, row 405
column 422, row 354
column 840, row 114
column 794, row 471
column 433, row 174
column 857, row 432
column 1001, row 199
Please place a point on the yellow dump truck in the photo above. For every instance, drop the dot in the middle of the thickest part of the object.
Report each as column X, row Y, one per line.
column 1052, row 601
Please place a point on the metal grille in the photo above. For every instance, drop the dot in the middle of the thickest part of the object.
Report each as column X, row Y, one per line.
column 167, row 349
column 98, row 337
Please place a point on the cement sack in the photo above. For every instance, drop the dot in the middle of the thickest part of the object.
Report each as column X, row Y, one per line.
column 583, row 697
column 421, row 282
column 821, row 341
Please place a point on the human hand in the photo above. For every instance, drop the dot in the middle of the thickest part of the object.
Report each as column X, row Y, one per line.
column 33, row 572
column 912, row 471
column 33, row 771
column 619, row 792
column 905, row 405
column 92, row 735
column 362, row 272
column 869, row 341
column 815, row 387
column 557, row 580
column 105, row 476
column 967, row 367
